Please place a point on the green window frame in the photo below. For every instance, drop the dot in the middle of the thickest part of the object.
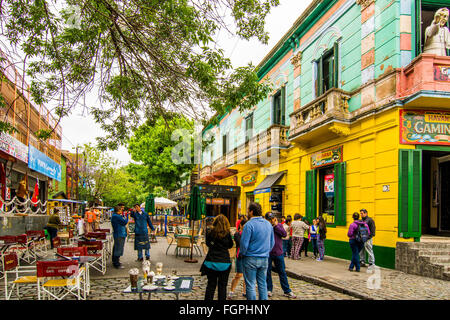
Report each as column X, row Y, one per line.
column 410, row 193
column 311, row 194
column 328, row 62
column 279, row 107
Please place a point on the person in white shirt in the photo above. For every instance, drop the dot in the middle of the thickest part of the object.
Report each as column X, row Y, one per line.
column 298, row 228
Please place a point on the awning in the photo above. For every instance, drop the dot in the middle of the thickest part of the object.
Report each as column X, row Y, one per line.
column 270, row 180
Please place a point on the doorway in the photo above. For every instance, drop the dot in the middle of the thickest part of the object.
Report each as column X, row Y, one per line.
column 435, row 191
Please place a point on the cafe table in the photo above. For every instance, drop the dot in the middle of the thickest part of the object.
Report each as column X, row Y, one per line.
column 182, row 285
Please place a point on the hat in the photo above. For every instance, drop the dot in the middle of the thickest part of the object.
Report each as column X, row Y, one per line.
column 363, row 210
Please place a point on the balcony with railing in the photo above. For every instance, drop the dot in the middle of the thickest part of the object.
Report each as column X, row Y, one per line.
column 321, row 116
column 426, row 76
column 248, row 153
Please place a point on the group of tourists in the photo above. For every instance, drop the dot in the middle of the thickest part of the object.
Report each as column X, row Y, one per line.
column 119, row 222
column 259, row 251
column 262, row 243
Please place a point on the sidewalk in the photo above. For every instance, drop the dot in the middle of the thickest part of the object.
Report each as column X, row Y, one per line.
column 376, row 284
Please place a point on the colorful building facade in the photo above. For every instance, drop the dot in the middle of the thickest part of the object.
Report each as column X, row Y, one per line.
column 359, row 117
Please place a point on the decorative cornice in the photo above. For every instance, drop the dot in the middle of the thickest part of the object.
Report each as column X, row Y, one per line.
column 340, row 129
column 364, row 3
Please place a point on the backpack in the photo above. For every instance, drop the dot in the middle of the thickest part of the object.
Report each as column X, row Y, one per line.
column 362, row 233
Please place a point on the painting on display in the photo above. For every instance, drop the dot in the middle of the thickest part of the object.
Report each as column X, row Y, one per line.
column 425, row 127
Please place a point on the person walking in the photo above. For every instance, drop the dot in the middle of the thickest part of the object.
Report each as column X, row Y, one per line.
column 53, row 224
column 239, row 260
column 313, row 233
column 321, row 238
column 257, row 241
column 305, row 239
column 119, row 225
column 287, row 239
column 368, row 245
column 356, row 244
column 89, row 218
column 276, row 256
column 217, row 263
column 298, row 230
column 141, row 224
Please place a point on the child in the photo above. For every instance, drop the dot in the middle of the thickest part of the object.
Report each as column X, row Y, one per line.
column 305, row 239
column 313, row 230
column 287, row 239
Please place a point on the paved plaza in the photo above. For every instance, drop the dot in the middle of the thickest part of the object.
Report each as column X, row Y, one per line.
column 309, row 280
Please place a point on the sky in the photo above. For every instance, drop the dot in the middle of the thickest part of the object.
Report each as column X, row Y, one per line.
column 80, row 128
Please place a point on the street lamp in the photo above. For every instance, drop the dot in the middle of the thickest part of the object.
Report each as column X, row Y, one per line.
column 77, row 176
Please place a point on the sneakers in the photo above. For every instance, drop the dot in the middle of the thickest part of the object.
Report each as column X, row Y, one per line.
column 363, row 264
column 269, row 293
column 290, row 295
column 318, row 259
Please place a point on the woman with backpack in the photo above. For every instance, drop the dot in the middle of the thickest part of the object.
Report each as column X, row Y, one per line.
column 358, row 232
column 322, row 235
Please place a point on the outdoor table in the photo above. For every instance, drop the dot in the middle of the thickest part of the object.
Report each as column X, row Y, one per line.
column 188, row 281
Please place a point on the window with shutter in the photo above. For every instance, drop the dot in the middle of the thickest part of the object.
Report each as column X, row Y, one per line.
column 311, row 194
column 340, row 193
column 410, row 193
column 327, row 75
column 278, row 109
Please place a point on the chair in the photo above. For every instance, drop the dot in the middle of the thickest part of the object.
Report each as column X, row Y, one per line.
column 95, row 249
column 72, row 251
column 198, row 244
column 183, row 243
column 39, row 243
column 170, row 240
column 24, row 247
column 56, row 242
column 22, row 275
column 57, row 279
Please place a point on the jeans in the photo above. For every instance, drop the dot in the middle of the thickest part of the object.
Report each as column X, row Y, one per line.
column 280, row 269
column 356, row 247
column 255, row 271
column 219, row 280
column 315, row 246
column 321, row 245
column 304, row 246
column 285, row 247
column 147, row 253
column 368, row 246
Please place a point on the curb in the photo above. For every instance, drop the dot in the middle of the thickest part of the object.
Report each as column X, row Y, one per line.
column 328, row 285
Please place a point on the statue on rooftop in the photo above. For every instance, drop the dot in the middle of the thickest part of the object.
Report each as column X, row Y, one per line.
column 437, row 35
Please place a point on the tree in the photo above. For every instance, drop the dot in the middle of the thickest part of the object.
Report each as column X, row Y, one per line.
column 143, row 58
column 97, row 172
column 152, row 146
column 123, row 188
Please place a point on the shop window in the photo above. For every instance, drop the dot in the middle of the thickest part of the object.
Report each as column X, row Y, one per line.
column 424, row 15
column 326, row 71
column 326, row 191
column 248, row 127
column 279, row 107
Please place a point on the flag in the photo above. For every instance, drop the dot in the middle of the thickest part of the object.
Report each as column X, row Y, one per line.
column 34, row 199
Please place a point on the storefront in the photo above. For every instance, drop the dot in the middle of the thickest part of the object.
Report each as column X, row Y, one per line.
column 270, row 194
column 429, row 132
column 221, row 199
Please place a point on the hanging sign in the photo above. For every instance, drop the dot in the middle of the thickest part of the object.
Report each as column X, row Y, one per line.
column 424, row 127
column 43, row 164
column 13, row 147
column 249, row 178
column 326, row 157
column 218, row 201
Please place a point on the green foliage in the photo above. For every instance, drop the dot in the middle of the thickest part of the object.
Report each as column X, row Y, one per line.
column 146, row 59
column 152, row 147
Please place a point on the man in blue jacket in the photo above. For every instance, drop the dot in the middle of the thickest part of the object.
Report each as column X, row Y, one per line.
column 141, row 240
column 119, row 223
column 257, row 241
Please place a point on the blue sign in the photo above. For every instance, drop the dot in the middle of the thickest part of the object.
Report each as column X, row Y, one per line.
column 43, row 164
column 262, row 190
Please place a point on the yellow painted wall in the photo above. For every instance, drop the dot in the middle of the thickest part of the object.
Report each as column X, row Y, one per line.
column 371, row 153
